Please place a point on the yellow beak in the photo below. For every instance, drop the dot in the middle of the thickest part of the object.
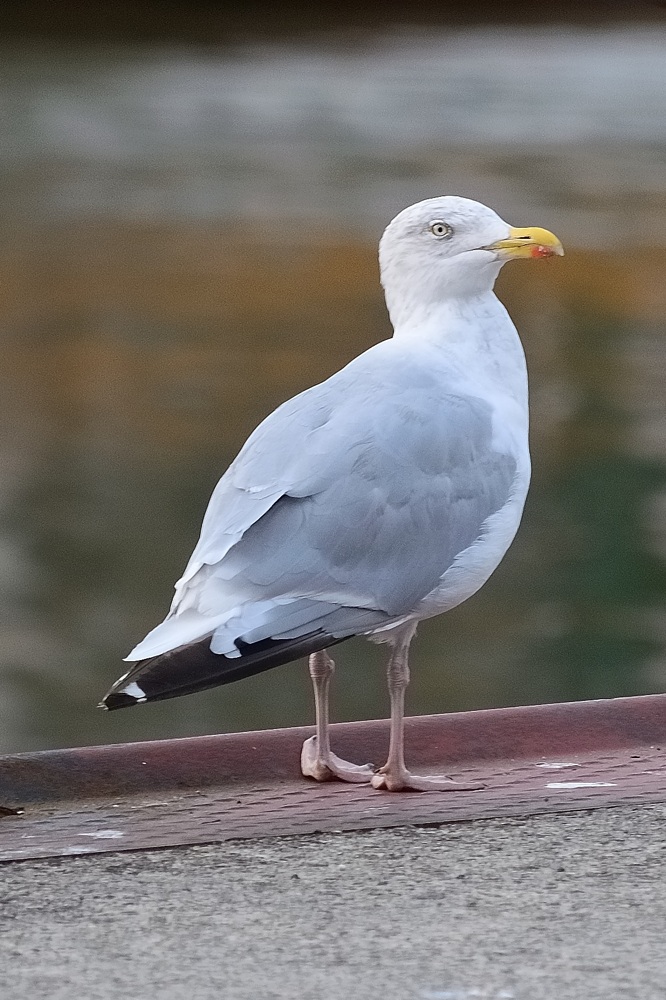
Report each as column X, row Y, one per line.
column 530, row 242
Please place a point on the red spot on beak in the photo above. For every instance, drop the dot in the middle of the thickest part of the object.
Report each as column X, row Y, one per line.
column 541, row 252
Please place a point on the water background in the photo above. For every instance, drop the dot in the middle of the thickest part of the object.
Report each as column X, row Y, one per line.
column 188, row 236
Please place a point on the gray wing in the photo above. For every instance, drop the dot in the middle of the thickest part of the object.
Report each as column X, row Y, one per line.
column 406, row 487
column 384, row 478
column 343, row 510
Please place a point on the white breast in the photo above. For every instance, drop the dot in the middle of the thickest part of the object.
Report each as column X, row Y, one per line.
column 487, row 360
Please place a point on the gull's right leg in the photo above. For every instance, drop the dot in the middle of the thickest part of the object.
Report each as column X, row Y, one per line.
column 394, row 776
column 317, row 760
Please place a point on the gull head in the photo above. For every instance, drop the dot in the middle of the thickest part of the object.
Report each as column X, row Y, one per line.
column 450, row 248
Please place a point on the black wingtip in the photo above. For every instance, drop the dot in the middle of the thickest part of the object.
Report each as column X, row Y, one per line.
column 195, row 668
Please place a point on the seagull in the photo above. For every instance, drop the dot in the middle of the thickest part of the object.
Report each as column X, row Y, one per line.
column 383, row 496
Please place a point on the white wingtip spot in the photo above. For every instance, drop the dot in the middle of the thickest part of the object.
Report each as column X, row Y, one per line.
column 134, row 691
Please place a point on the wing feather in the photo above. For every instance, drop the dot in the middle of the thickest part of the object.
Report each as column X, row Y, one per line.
column 357, row 494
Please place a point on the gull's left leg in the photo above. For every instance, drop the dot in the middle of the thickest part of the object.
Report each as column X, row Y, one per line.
column 317, row 759
column 394, row 776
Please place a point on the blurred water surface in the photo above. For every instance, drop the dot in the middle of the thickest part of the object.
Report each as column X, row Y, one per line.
column 189, row 237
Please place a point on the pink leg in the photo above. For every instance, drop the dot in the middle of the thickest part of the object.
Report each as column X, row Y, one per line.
column 317, row 759
column 394, row 776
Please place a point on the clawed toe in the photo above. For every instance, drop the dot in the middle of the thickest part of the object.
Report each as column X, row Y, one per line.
column 398, row 780
column 328, row 767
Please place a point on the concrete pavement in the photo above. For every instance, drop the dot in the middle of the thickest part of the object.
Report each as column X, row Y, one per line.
column 558, row 907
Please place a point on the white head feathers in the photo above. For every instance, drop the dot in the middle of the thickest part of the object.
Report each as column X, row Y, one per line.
column 433, row 251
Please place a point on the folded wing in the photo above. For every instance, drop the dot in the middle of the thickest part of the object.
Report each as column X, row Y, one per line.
column 342, row 511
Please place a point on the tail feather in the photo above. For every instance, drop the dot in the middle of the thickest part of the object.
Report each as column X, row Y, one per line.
column 195, row 667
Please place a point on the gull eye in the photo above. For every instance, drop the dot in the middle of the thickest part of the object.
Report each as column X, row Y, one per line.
column 440, row 229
